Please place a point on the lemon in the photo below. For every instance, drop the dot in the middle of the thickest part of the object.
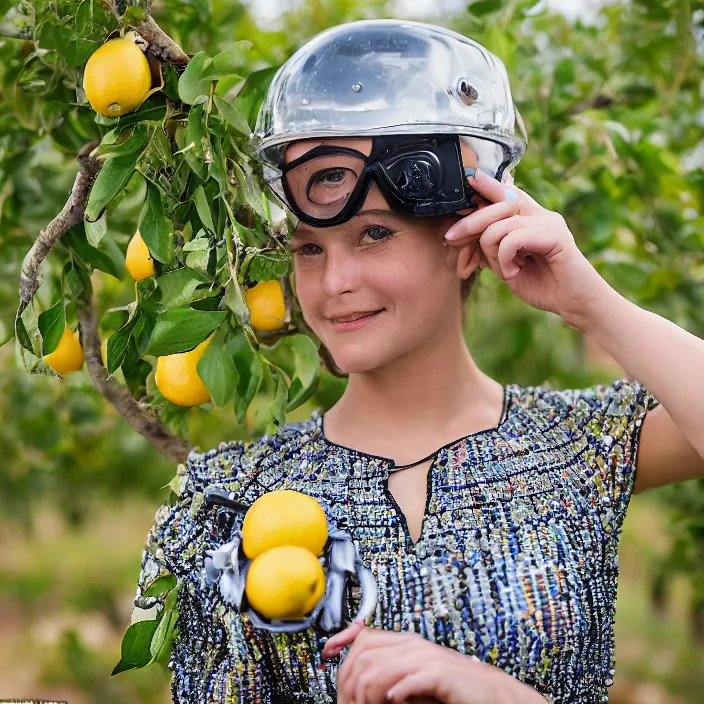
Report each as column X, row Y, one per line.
column 267, row 308
column 285, row 583
column 177, row 377
column 284, row 518
column 117, row 78
column 68, row 355
column 104, row 353
column 138, row 260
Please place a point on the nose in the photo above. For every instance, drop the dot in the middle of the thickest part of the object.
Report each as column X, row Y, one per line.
column 341, row 273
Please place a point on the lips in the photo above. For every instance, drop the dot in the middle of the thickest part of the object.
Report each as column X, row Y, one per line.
column 355, row 316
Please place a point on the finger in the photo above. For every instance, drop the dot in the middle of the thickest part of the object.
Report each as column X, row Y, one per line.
column 423, row 683
column 377, row 671
column 474, row 224
column 337, row 643
column 535, row 241
column 491, row 239
column 495, row 191
column 371, row 639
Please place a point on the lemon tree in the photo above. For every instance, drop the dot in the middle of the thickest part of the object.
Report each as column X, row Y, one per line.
column 162, row 138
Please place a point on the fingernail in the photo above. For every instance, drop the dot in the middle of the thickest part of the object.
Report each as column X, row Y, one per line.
column 511, row 195
column 451, row 235
column 469, row 171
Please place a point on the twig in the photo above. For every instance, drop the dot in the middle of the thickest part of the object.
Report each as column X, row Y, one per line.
column 70, row 215
column 170, row 446
column 161, row 46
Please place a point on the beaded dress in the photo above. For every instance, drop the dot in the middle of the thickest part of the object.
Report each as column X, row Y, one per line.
column 516, row 562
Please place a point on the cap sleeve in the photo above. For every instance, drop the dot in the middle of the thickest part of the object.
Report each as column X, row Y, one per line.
column 610, row 417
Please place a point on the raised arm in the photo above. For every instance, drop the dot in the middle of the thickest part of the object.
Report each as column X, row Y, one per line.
column 669, row 362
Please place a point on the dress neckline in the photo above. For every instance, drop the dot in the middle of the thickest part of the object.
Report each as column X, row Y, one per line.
column 507, row 388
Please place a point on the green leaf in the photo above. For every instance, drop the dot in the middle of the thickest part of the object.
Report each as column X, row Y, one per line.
column 177, row 287
column 21, row 333
column 203, row 208
column 161, row 585
column 133, row 15
column 485, row 7
column 143, row 331
column 227, row 62
column 107, row 257
column 252, row 94
column 250, row 371
column 232, row 115
column 298, row 357
column 95, row 231
column 173, row 417
column 278, row 405
column 151, row 110
column 118, row 343
column 116, row 317
column 192, row 82
column 195, row 134
column 155, row 227
column 75, row 281
column 217, row 368
column 162, row 640
column 564, row 72
column 182, row 329
column 267, row 266
column 52, row 323
column 136, row 645
column 135, row 371
column 235, row 301
column 116, row 173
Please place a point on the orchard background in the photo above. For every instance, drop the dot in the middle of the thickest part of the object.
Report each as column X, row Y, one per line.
column 613, row 110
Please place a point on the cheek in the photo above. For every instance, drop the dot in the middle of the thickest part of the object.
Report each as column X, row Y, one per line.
column 307, row 287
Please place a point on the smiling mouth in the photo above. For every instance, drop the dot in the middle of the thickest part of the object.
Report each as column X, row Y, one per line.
column 356, row 316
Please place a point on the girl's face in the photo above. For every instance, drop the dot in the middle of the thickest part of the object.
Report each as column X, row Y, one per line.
column 380, row 286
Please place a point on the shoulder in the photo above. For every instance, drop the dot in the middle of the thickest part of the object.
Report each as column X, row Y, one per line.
column 237, row 458
column 622, row 396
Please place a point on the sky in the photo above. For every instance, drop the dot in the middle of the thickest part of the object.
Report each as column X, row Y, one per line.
column 266, row 11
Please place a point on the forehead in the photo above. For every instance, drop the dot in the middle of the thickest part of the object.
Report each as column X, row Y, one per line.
column 300, row 147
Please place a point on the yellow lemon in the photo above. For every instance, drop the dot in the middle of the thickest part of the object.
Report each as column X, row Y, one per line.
column 116, row 78
column 284, row 518
column 177, row 377
column 285, row 583
column 104, row 352
column 68, row 355
column 267, row 308
column 138, row 260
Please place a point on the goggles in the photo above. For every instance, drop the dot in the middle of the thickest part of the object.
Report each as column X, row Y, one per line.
column 417, row 175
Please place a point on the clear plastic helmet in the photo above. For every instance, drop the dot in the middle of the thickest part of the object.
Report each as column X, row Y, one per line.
column 391, row 77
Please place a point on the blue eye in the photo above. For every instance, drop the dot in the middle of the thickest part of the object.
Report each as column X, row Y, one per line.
column 378, row 233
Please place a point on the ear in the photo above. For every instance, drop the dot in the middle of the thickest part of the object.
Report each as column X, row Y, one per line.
column 465, row 260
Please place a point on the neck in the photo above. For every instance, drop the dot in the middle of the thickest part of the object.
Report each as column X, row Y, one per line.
column 436, row 390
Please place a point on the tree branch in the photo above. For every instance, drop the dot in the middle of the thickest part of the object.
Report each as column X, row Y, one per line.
column 173, row 448
column 70, row 215
column 161, row 46
column 170, row 446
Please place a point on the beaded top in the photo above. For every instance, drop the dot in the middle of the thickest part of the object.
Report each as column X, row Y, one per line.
column 516, row 562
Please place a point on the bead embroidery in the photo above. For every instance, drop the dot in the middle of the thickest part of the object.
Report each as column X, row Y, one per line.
column 517, row 562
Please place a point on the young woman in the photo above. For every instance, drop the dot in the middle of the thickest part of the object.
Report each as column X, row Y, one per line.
column 489, row 514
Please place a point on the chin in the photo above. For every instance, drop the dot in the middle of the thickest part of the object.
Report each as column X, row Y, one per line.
column 357, row 358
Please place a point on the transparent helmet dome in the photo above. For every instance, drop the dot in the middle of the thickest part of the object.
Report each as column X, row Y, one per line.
column 385, row 77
